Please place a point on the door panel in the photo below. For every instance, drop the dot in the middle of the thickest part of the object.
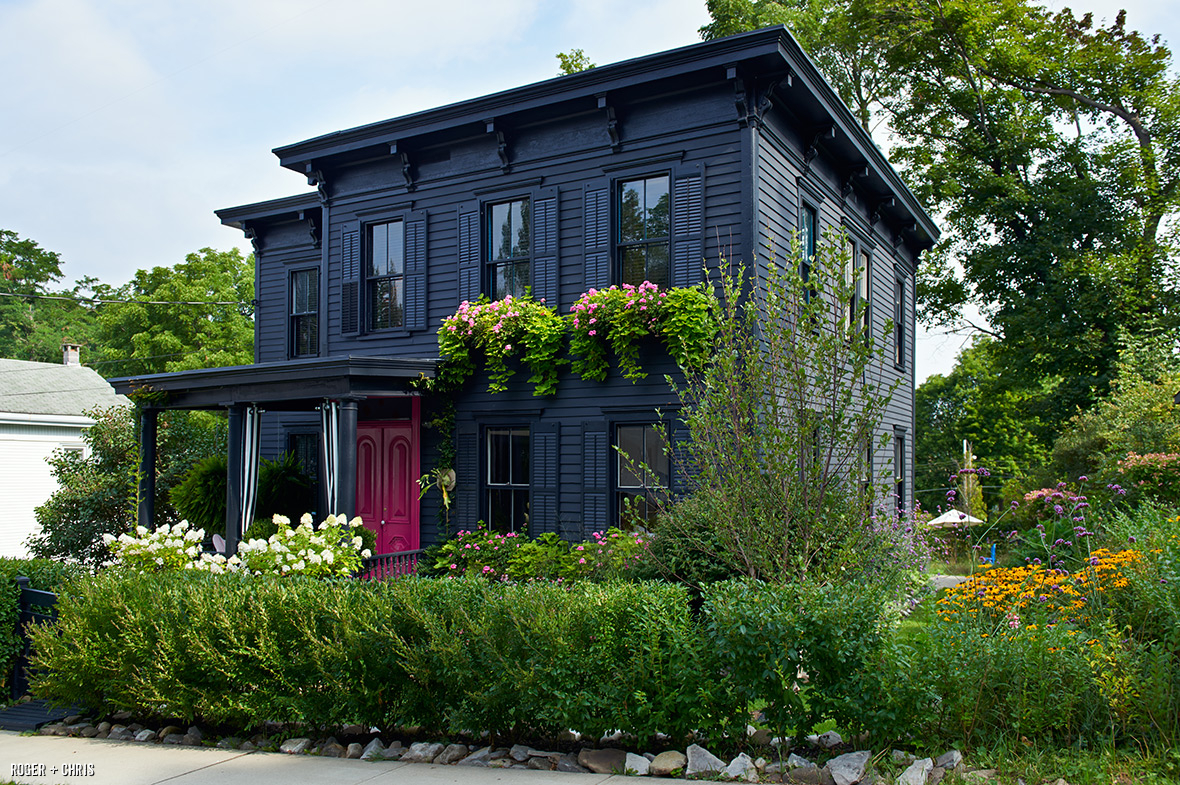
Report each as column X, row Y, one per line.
column 387, row 473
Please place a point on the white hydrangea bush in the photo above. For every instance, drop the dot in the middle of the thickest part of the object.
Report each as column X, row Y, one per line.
column 331, row 549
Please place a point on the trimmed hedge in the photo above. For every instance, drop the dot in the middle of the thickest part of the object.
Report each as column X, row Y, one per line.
column 450, row 655
column 44, row 574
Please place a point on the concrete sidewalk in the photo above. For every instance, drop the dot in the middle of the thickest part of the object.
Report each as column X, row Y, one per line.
column 61, row 760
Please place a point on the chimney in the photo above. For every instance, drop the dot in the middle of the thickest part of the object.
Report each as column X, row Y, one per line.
column 69, row 354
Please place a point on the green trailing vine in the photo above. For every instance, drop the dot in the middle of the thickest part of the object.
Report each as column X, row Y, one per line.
column 501, row 331
column 602, row 322
column 620, row 317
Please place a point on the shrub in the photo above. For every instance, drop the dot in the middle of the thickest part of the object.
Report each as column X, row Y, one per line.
column 97, row 491
column 453, row 655
column 43, row 574
column 781, row 421
column 283, row 489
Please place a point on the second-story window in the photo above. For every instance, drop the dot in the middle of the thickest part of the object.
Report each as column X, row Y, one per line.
column 385, row 275
column 807, row 231
column 899, row 314
column 305, row 318
column 508, row 254
column 644, row 231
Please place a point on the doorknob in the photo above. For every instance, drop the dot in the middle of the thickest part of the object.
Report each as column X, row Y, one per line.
column 382, row 521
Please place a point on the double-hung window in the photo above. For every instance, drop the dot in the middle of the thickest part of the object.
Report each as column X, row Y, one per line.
column 856, row 279
column 899, row 468
column 642, row 474
column 385, row 275
column 899, row 311
column 508, row 249
column 507, row 483
column 643, row 243
column 304, row 315
column 807, row 240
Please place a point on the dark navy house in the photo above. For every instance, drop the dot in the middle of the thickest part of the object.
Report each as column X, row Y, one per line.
column 645, row 169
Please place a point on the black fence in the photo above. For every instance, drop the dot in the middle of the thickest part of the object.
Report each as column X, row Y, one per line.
column 389, row 565
column 34, row 607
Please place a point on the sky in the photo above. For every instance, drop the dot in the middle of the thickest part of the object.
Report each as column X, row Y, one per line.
column 128, row 122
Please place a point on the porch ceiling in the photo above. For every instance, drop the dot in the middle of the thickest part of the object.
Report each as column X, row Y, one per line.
column 291, row 385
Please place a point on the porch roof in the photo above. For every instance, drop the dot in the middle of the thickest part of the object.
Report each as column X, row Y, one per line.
column 290, row 384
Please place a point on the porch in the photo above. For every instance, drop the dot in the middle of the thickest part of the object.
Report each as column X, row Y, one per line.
column 361, row 400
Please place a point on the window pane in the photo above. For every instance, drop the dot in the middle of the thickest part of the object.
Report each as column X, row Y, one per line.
column 500, row 509
column 378, row 249
column 630, row 458
column 510, row 278
column 313, row 291
column 520, row 226
column 299, row 293
column 656, row 204
column 656, row 458
column 385, row 303
column 499, row 457
column 634, row 265
column 657, row 264
column 307, row 340
column 520, row 457
column 397, row 249
column 631, row 211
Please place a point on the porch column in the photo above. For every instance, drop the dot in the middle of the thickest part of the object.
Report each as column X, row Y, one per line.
column 233, row 485
column 346, row 489
column 146, row 510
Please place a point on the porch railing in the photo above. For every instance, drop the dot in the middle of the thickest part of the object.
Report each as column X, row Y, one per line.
column 389, row 565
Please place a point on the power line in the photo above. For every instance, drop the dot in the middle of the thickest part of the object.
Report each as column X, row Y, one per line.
column 103, row 301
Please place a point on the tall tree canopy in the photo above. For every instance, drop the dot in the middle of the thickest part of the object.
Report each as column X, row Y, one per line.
column 1048, row 146
column 33, row 326
column 204, row 318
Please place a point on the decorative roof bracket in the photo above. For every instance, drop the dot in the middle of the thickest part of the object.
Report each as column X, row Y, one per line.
column 612, row 122
column 312, row 229
column 852, row 175
column 407, row 166
column 812, row 151
column 501, row 145
column 316, row 177
column 875, row 213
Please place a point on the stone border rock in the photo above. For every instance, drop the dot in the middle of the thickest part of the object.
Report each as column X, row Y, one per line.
column 850, row 768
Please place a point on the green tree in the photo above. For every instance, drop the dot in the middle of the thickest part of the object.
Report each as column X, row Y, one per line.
column 198, row 314
column 32, row 325
column 573, row 61
column 97, row 493
column 1049, row 148
column 976, row 402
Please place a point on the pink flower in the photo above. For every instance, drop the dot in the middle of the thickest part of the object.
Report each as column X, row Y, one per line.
column 594, row 332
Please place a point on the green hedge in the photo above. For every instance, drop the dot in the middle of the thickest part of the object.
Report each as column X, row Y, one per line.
column 44, row 574
column 466, row 654
column 449, row 655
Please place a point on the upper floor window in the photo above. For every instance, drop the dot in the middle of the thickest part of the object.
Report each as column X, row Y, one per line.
column 899, row 311
column 642, row 474
column 304, row 315
column 508, row 249
column 807, row 234
column 899, row 468
column 385, row 275
column 856, row 278
column 644, row 228
column 507, row 484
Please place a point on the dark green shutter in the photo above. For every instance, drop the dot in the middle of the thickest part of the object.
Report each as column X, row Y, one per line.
column 545, row 482
column 350, row 280
column 416, row 271
column 688, row 219
column 596, row 235
column 469, row 252
column 467, row 479
column 595, row 479
column 545, row 270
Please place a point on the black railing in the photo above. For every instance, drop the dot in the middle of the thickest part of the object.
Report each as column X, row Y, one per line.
column 389, row 565
column 35, row 607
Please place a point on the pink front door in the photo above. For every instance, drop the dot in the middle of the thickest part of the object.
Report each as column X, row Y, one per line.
column 387, row 482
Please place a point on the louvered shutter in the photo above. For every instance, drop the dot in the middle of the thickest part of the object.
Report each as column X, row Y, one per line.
column 350, row 278
column 596, row 235
column 467, row 479
column 595, row 481
column 681, row 475
column 416, row 271
column 469, row 255
column 545, row 270
column 688, row 219
column 545, row 482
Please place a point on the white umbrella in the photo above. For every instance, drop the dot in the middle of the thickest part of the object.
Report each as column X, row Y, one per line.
column 952, row 517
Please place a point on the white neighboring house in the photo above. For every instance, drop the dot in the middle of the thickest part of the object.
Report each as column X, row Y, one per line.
column 42, row 409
